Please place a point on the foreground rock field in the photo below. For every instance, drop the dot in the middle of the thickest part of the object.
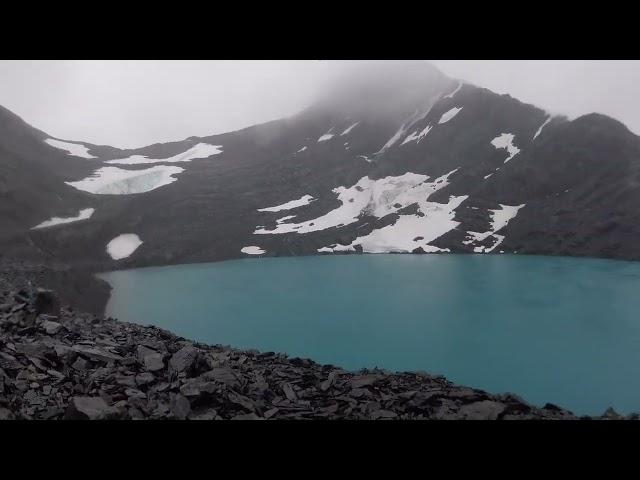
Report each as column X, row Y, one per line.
column 57, row 363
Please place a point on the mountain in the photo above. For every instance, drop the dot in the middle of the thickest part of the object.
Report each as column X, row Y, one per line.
column 389, row 159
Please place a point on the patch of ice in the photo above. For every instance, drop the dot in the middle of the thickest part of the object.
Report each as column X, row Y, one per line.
column 346, row 132
column 117, row 181
column 304, row 200
column 411, row 231
column 487, row 176
column 396, row 136
column 411, row 137
column 417, row 136
column 252, row 250
column 82, row 215
column 284, row 219
column 302, row 149
column 542, row 126
column 201, row 150
column 424, row 132
column 505, row 141
column 123, row 245
column 377, row 198
column 499, row 219
column 448, row 115
column 74, row 149
column 326, row 136
column 415, row 117
column 455, row 91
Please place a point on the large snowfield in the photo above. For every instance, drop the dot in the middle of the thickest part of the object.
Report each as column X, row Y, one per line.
column 117, row 181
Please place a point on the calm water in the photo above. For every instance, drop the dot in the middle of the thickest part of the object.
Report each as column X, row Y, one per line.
column 560, row 330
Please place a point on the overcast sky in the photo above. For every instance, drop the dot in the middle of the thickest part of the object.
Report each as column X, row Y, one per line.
column 130, row 104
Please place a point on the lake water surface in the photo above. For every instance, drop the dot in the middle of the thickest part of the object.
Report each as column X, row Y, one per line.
column 559, row 330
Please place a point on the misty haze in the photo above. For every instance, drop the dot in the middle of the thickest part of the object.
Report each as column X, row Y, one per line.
column 373, row 240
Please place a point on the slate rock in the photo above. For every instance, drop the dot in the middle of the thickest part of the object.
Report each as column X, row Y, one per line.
column 222, row 375
column 183, row 359
column 484, row 410
column 363, row 381
column 51, row 328
column 145, row 378
column 96, row 354
column 6, row 414
column 378, row 414
column 154, row 362
column 180, row 406
column 289, row 393
column 207, row 415
column 324, row 386
column 247, row 416
column 88, row 408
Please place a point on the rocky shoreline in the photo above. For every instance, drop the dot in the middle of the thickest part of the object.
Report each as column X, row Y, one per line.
column 58, row 363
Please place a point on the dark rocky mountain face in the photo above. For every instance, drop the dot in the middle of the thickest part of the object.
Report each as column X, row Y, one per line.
column 409, row 161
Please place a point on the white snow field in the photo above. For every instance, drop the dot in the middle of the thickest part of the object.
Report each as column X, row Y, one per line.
column 123, row 245
column 117, row 181
column 284, row 219
column 499, row 219
column 326, row 136
column 410, row 231
column 380, row 198
column 448, row 115
column 201, row 150
column 417, row 136
column 346, row 132
column 542, row 126
column 505, row 141
column 252, row 250
column 74, row 149
column 82, row 215
column 304, row 200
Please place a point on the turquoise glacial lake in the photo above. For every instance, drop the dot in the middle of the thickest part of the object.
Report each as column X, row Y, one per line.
column 549, row 329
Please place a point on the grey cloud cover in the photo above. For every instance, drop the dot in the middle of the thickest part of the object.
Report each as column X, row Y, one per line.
column 135, row 103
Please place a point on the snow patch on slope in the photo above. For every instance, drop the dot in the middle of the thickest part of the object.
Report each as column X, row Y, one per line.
column 82, row 215
column 404, row 128
column 302, row 149
column 377, row 198
column 417, row 136
column 410, row 232
column 499, row 219
column 252, row 250
column 326, row 136
column 448, row 115
column 123, row 245
column 505, row 141
column 74, row 149
column 542, row 126
column 117, row 181
column 201, row 150
column 284, row 219
column 304, row 200
column 346, row 132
